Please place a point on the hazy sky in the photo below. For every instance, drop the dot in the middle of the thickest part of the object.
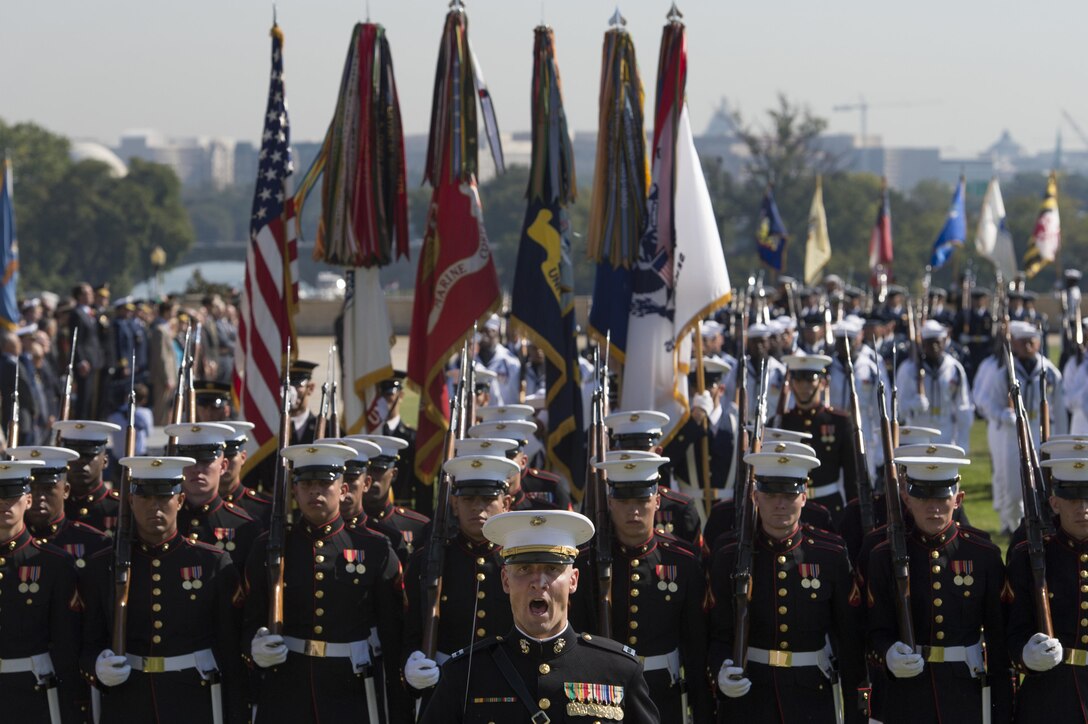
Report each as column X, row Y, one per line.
column 953, row 73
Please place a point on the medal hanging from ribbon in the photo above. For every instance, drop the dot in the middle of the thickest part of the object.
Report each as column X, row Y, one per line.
column 666, row 578
column 224, row 538
column 596, row 700
column 354, row 560
column 28, row 578
column 963, row 571
column 190, row 577
column 810, row 575
column 77, row 551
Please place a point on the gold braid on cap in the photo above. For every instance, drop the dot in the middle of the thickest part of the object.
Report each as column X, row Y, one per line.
column 557, row 550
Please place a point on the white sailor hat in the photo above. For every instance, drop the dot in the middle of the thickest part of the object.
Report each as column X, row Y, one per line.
column 1068, row 477
column 15, row 477
column 932, row 329
column 364, row 451
column 929, row 449
column 156, row 475
column 790, row 447
column 777, row 433
column 202, row 441
column 932, row 477
column 54, row 460
column 484, row 378
column 760, row 331
column 781, row 472
column 520, row 430
column 493, row 323
column 712, row 328
column 845, row 329
column 538, row 536
column 1065, row 448
column 318, row 460
column 504, row 413
column 485, row 446
column 714, row 366
column 637, row 423
column 804, row 365
column 537, row 401
column 913, row 434
column 391, row 447
column 236, row 442
column 86, row 437
column 1023, row 330
column 634, row 478
column 484, row 475
column 784, row 324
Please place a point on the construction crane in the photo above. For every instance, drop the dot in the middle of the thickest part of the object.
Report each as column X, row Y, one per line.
column 1076, row 128
column 863, row 106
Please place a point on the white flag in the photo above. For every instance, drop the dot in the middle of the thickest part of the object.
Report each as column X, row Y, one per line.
column 993, row 239
column 368, row 338
column 671, row 295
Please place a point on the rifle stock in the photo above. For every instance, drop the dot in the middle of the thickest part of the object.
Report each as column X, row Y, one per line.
column 122, row 537
column 897, row 531
column 66, row 397
column 861, row 462
column 281, row 499
column 177, row 412
column 13, row 425
column 601, row 543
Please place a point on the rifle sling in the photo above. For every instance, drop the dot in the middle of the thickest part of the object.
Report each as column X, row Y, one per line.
column 536, row 715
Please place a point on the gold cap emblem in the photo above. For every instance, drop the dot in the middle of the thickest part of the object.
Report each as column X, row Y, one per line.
column 485, row 445
column 634, row 418
column 35, row 453
column 783, row 460
column 780, row 447
column 477, row 463
column 537, row 520
column 931, row 450
column 1078, row 466
column 630, row 466
column 156, row 463
column 79, row 426
column 932, row 467
column 311, row 450
column 194, row 428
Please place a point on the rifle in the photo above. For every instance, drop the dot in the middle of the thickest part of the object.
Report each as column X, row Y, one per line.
column 897, row 530
column 1034, row 524
column 1078, row 333
column 740, row 476
column 895, row 401
column 122, row 537
column 191, row 391
column 334, row 416
column 916, row 352
column 742, row 572
column 601, row 544
column 704, row 441
column 323, row 409
column 13, row 426
column 178, row 409
column 436, row 549
column 281, row 504
column 865, row 484
column 66, row 396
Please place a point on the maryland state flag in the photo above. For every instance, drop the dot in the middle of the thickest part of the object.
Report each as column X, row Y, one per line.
column 543, row 296
column 456, row 283
column 771, row 233
column 1046, row 237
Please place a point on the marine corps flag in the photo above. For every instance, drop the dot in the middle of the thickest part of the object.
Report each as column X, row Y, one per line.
column 618, row 207
column 543, row 297
column 9, row 252
column 771, row 232
column 680, row 275
column 1046, row 237
column 456, row 283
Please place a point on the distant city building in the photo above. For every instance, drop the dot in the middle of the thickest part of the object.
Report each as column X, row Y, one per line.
column 202, row 161
column 94, row 151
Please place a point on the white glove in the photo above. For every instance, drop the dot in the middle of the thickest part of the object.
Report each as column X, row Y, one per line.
column 1008, row 416
column 268, row 649
column 1042, row 653
column 111, row 669
column 919, row 405
column 703, row 401
column 732, row 687
column 903, row 662
column 421, row 672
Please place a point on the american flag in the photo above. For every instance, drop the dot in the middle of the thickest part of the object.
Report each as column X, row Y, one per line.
column 270, row 296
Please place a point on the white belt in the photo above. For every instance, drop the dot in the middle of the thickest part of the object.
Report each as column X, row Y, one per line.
column 203, row 661
column 788, row 659
column 40, row 664
column 669, row 662
column 970, row 655
column 823, row 491
column 323, row 649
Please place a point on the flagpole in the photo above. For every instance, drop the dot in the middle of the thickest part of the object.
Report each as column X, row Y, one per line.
column 704, row 441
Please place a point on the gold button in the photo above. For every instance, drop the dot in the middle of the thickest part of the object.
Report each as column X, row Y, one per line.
column 633, row 624
column 634, row 593
column 319, row 594
column 938, row 602
column 1084, row 639
column 783, row 628
column 156, row 607
column 480, row 561
column 156, row 591
column 940, row 635
column 1084, row 574
column 782, row 609
column 634, row 563
column 781, row 559
column 1084, row 622
column 194, row 535
column 966, row 594
column 634, row 609
column 319, row 544
column 156, row 639
column 936, row 569
column 444, row 598
column 84, row 511
column 543, row 703
column 481, row 594
column 632, row 640
column 480, row 577
column 544, row 668
column 635, row 578
column 784, row 645
column 936, row 585
column 934, row 554
column 1083, row 557
column 319, row 612
column 481, row 632
column 1084, row 589
column 781, row 574
column 156, row 577
column 939, row 618
column 155, row 562
column 782, row 592
column 319, row 558
column 481, row 614
column 318, row 629
column 319, row 576
column 157, row 624
column 1084, row 605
